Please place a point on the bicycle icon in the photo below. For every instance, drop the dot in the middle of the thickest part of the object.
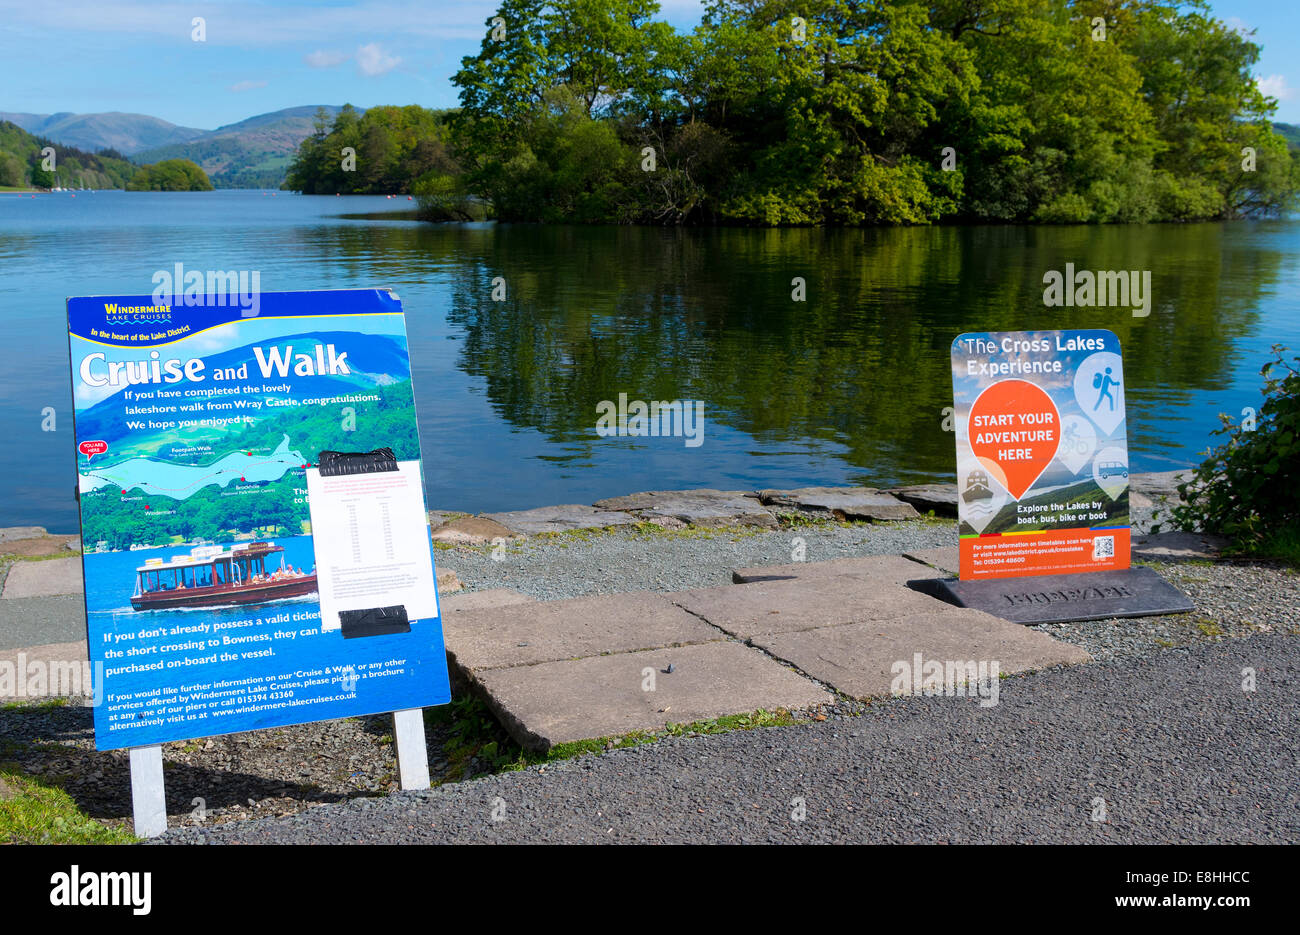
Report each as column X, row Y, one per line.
column 1071, row 439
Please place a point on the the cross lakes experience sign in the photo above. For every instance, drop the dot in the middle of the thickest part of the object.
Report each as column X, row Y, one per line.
column 1042, row 453
column 196, row 427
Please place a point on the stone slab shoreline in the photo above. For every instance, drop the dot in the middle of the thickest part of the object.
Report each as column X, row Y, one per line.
column 707, row 507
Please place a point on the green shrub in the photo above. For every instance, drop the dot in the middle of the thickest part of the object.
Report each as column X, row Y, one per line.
column 1249, row 486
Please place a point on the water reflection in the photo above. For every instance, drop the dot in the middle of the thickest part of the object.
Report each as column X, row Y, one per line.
column 847, row 386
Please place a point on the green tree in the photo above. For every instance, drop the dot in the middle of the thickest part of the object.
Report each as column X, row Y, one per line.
column 11, row 171
column 170, row 175
column 1220, row 156
column 383, row 151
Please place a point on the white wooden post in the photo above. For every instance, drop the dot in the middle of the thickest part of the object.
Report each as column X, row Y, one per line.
column 148, row 800
column 412, row 755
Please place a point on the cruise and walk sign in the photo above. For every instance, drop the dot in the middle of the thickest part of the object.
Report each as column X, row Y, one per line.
column 220, row 595
column 1042, row 453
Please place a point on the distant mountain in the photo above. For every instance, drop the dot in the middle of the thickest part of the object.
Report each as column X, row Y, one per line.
column 1290, row 132
column 126, row 133
column 253, row 153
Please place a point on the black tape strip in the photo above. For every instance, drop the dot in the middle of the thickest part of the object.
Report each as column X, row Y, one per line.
column 334, row 463
column 377, row 621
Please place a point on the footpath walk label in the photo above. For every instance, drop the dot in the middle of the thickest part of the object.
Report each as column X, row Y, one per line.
column 196, row 426
column 1042, row 453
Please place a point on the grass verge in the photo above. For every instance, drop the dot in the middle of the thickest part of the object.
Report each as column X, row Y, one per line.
column 479, row 744
column 33, row 812
column 1280, row 546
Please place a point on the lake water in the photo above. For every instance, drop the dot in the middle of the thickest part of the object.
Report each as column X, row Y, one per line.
column 847, row 387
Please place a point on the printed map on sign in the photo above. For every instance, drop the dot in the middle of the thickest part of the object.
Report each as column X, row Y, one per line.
column 1042, row 453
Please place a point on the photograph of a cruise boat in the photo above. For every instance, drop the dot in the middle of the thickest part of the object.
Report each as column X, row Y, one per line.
column 215, row 575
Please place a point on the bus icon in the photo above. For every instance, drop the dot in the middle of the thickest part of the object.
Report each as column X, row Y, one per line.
column 1112, row 469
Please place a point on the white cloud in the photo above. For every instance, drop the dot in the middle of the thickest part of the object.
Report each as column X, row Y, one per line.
column 324, row 59
column 1276, row 86
column 247, row 86
column 373, row 60
column 1238, row 25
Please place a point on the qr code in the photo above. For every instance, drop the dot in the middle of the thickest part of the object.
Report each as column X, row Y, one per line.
column 1103, row 547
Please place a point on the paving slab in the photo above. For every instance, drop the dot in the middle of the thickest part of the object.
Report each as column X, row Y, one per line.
column 561, row 518
column 482, row 600
column 844, row 503
column 448, row 581
column 893, row 569
column 941, row 498
column 701, row 507
column 748, row 610
column 41, row 546
column 1156, row 490
column 859, row 659
column 44, row 578
column 471, row 530
column 1178, row 546
column 547, row 631
column 604, row 696
column 945, row 558
column 9, row 533
column 64, row 667
column 436, row 518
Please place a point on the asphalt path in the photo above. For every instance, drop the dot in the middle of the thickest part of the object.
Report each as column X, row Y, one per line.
column 1165, row 748
column 34, row 621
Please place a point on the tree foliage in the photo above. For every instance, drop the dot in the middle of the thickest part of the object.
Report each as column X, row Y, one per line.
column 386, row 150
column 170, row 175
column 836, row 112
column 22, row 163
column 1249, row 486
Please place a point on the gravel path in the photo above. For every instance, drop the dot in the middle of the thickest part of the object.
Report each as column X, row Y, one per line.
column 560, row 566
column 1172, row 744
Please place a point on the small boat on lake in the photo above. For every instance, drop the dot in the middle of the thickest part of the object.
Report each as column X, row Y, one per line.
column 213, row 575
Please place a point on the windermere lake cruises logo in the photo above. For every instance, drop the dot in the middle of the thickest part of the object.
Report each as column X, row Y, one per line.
column 115, row 314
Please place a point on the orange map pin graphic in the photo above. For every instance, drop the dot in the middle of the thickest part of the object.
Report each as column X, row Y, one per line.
column 1014, row 431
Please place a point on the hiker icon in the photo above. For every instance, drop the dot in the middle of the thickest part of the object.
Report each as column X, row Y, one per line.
column 1099, row 390
column 1104, row 382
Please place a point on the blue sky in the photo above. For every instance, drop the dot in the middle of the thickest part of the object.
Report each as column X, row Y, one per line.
column 139, row 57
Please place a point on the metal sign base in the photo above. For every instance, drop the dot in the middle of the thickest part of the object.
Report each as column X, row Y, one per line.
column 1098, row 595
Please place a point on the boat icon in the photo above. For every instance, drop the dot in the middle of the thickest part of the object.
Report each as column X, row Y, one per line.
column 977, row 488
